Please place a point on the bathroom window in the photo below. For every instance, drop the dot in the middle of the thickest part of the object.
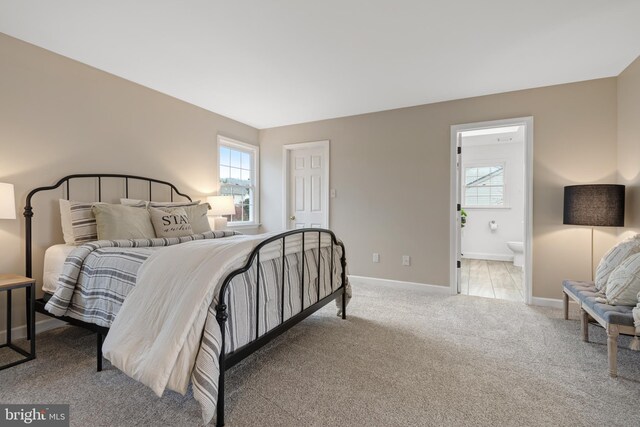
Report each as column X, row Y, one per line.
column 484, row 185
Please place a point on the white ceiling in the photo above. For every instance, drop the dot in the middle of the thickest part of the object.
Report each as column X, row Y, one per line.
column 275, row 62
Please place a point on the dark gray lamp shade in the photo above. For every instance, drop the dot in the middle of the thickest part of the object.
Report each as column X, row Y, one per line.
column 597, row 205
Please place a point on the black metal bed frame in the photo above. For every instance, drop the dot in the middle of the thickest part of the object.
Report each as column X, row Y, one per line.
column 28, row 216
column 226, row 361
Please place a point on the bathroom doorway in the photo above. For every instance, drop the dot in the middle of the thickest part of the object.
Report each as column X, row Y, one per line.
column 491, row 221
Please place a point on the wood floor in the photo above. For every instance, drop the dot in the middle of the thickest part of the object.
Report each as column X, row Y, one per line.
column 491, row 279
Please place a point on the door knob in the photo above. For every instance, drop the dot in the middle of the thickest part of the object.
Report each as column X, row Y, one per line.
column 292, row 217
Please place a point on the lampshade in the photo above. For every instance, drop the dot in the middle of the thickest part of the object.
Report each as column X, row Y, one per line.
column 597, row 205
column 7, row 201
column 221, row 205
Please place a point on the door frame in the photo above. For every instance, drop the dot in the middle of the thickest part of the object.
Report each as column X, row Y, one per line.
column 454, row 215
column 286, row 156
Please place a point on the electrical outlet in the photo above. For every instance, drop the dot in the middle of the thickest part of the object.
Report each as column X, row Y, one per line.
column 376, row 257
column 406, row 260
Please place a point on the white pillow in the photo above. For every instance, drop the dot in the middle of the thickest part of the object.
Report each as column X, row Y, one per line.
column 614, row 257
column 170, row 222
column 134, row 202
column 138, row 203
column 173, row 204
column 623, row 285
column 78, row 222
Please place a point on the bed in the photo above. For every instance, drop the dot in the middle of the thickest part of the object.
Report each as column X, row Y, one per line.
column 250, row 289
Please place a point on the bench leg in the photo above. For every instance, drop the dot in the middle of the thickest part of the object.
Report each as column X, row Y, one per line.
column 612, row 347
column 565, row 305
column 584, row 317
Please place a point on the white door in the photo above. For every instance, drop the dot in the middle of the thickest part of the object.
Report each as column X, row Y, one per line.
column 308, row 188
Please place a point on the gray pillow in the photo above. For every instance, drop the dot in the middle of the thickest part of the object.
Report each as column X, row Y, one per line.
column 198, row 217
column 170, row 222
column 115, row 222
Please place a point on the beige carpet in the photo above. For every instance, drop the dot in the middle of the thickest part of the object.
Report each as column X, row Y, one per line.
column 402, row 358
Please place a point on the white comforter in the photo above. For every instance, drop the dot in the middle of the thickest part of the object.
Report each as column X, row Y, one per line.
column 156, row 335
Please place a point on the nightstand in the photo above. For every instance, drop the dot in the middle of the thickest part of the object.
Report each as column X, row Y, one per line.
column 8, row 283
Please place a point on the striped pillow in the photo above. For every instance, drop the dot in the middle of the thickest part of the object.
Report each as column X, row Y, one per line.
column 623, row 285
column 78, row 222
column 614, row 258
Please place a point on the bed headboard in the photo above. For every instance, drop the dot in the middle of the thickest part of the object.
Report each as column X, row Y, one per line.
column 66, row 182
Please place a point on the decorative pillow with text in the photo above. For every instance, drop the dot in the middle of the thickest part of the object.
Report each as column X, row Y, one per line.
column 170, row 222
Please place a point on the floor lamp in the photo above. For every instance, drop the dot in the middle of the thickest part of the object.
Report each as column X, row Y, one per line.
column 594, row 205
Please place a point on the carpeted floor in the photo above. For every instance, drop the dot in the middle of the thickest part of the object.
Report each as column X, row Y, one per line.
column 402, row 358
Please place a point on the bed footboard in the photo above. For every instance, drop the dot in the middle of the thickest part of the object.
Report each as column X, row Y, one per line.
column 338, row 288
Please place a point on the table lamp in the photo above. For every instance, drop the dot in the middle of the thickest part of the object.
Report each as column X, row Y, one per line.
column 221, row 205
column 7, row 201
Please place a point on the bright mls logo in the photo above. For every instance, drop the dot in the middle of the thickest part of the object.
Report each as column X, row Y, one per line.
column 34, row 415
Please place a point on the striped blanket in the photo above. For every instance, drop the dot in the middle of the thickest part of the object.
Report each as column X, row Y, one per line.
column 97, row 277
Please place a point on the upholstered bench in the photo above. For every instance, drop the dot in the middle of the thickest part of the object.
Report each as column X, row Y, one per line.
column 615, row 319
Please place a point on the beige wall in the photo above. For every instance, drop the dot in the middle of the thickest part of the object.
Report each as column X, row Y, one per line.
column 392, row 176
column 629, row 142
column 391, row 169
column 58, row 116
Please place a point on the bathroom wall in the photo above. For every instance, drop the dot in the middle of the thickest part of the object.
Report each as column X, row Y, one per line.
column 478, row 240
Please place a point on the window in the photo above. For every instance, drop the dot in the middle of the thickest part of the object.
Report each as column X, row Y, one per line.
column 484, row 186
column 238, row 168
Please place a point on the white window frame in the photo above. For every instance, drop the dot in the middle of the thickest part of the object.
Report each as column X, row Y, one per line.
column 234, row 144
column 505, row 201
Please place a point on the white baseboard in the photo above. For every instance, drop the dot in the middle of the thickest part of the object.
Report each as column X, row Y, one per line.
column 41, row 325
column 441, row 290
column 546, row 302
column 432, row 289
column 489, row 257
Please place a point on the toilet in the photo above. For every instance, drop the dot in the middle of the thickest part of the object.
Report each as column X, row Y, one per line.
column 518, row 253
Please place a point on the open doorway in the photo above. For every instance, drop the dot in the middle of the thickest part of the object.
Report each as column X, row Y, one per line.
column 491, row 221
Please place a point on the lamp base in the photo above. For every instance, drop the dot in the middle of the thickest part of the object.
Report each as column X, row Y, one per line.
column 219, row 223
